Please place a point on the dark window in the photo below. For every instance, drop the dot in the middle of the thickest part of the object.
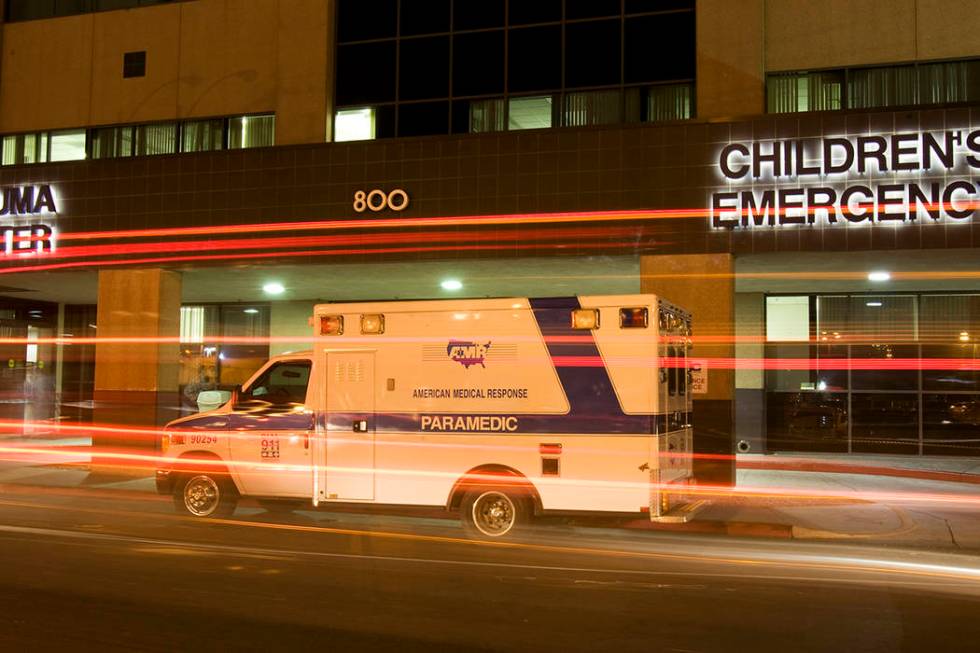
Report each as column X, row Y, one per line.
column 523, row 12
column 659, row 48
column 541, row 46
column 71, row 7
column 134, row 64
column 592, row 53
column 424, row 17
column 640, row 6
column 384, row 121
column 111, row 142
column 423, row 119
column 29, row 9
column 478, row 63
column 359, row 20
column 282, row 384
column 156, row 139
column 366, row 73
column 478, row 116
column 478, row 14
column 424, row 68
column 591, row 8
column 202, row 135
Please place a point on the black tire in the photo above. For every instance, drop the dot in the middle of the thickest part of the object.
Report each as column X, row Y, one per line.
column 205, row 494
column 492, row 513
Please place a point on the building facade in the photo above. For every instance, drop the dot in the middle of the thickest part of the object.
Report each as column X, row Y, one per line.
column 800, row 175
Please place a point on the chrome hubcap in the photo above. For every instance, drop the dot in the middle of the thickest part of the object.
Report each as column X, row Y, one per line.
column 494, row 513
column 201, row 496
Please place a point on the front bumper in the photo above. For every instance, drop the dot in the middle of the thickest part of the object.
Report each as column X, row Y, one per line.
column 165, row 480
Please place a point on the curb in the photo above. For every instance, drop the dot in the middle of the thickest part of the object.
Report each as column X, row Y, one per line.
column 861, row 470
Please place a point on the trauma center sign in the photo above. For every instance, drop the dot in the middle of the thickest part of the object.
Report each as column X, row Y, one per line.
column 899, row 177
column 23, row 205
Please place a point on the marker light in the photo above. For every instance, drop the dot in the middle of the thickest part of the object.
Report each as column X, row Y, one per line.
column 585, row 318
column 273, row 288
column 373, row 323
column 331, row 325
column 879, row 276
column 633, row 318
column 452, row 284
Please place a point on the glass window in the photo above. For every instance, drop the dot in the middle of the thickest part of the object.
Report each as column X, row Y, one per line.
column 659, row 47
column 951, row 425
column 423, row 17
column 156, row 139
column 592, row 55
column 882, row 87
column 25, row 148
column 478, row 64
column 804, row 91
column 366, row 19
column 534, row 62
column 669, row 102
column 788, row 319
column 885, row 423
column 468, row 14
column 485, row 116
column 806, row 421
column 591, row 8
column 423, row 119
column 68, row 145
column 112, row 142
column 592, row 108
column 366, row 73
column 881, row 318
column 530, row 112
column 954, row 81
column 354, row 125
column 251, row 131
column 283, row 384
column 523, row 12
column 239, row 361
column 203, row 135
column 424, row 68
column 29, row 9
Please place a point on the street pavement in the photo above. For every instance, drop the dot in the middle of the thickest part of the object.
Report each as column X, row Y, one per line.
column 107, row 567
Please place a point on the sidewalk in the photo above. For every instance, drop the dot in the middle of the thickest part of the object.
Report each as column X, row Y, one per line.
column 885, row 500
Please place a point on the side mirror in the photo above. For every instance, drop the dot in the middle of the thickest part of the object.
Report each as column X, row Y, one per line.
column 236, row 395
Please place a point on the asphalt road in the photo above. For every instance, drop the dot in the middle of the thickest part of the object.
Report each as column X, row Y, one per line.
column 101, row 570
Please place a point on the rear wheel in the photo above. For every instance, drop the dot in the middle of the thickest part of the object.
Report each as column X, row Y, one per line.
column 490, row 513
column 205, row 494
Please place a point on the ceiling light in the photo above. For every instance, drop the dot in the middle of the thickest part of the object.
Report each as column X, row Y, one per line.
column 874, row 304
column 273, row 288
column 452, row 284
column 964, row 336
column 879, row 275
column 251, row 311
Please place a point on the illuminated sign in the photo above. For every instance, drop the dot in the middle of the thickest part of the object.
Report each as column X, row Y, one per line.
column 880, row 178
column 32, row 238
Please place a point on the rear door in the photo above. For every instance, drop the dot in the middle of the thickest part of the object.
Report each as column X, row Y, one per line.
column 347, row 471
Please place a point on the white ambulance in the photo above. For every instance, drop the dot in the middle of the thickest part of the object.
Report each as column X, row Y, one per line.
column 501, row 409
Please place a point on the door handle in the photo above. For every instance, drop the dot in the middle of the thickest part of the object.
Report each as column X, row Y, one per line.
column 360, row 426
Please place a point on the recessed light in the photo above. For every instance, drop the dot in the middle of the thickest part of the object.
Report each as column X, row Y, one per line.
column 452, row 284
column 874, row 304
column 879, row 275
column 251, row 311
column 273, row 288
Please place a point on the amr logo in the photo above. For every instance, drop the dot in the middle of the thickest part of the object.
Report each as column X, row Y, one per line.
column 467, row 353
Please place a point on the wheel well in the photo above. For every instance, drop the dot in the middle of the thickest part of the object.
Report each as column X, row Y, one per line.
column 501, row 475
column 200, row 461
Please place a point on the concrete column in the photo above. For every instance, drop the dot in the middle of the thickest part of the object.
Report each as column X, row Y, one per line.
column 136, row 383
column 704, row 284
column 750, row 382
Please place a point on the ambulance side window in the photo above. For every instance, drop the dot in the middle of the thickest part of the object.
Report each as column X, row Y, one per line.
column 682, row 370
column 282, row 384
column 672, row 371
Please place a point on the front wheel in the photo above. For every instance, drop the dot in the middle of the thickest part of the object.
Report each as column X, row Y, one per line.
column 493, row 514
column 205, row 494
